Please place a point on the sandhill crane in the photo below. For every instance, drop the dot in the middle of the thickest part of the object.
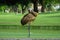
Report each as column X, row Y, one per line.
column 28, row 18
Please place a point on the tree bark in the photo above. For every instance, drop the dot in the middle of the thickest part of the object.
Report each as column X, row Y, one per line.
column 23, row 8
column 43, row 6
column 35, row 3
column 42, row 9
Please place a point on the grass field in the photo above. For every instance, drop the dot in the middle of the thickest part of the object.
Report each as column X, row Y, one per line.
column 46, row 25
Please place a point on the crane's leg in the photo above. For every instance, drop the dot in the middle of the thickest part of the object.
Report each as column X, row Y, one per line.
column 28, row 29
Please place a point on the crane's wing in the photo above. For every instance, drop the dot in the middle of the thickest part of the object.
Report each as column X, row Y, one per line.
column 27, row 18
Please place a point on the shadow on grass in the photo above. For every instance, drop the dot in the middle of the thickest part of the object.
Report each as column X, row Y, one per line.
column 32, row 27
column 46, row 27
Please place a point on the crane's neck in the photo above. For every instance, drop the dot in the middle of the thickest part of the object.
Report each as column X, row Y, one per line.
column 34, row 13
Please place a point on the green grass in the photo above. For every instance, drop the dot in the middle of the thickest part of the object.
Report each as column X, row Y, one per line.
column 45, row 26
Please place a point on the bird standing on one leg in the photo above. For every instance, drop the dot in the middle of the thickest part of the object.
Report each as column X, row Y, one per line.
column 28, row 18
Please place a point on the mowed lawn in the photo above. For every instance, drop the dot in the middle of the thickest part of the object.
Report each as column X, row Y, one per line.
column 46, row 25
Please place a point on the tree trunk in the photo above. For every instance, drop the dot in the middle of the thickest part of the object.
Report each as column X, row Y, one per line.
column 35, row 3
column 42, row 9
column 23, row 9
column 42, row 2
